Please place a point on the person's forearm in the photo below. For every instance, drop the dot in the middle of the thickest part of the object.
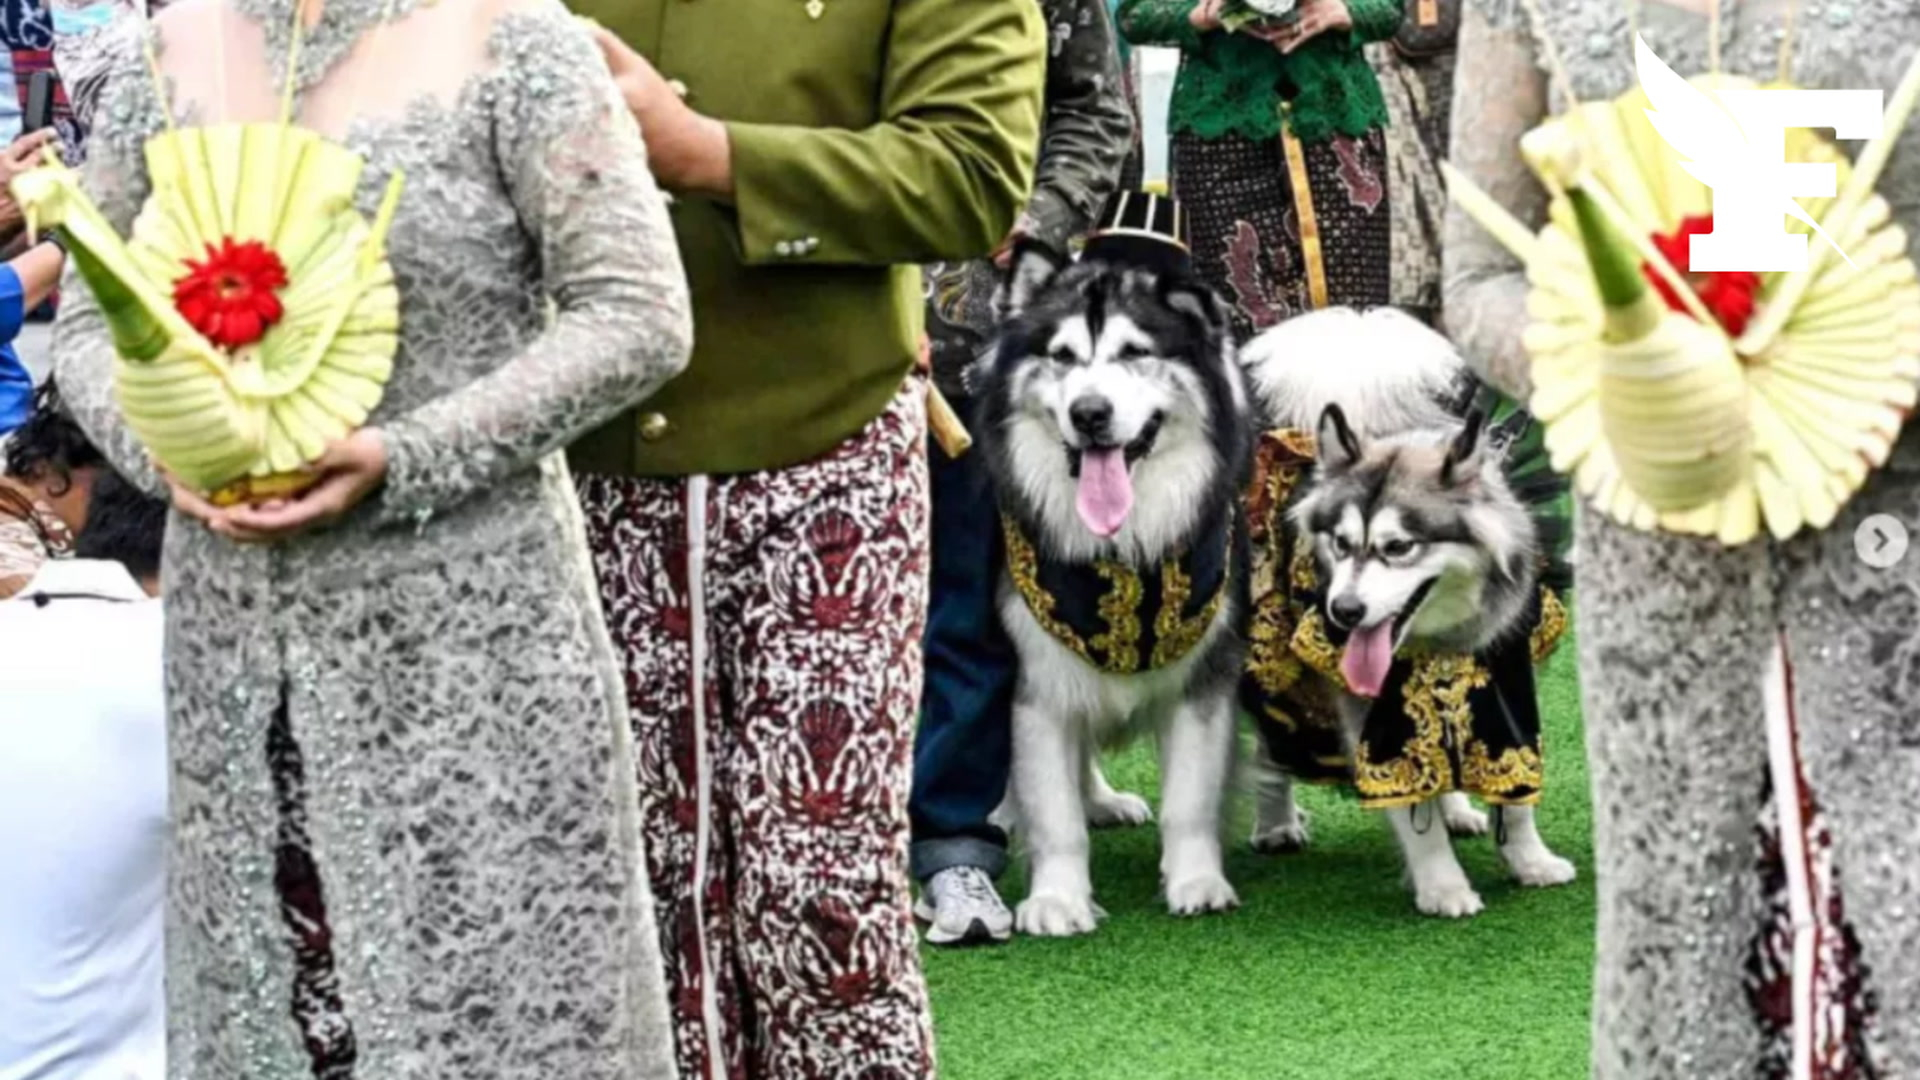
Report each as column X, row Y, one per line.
column 1086, row 134
column 692, row 154
column 1167, row 23
column 39, row 269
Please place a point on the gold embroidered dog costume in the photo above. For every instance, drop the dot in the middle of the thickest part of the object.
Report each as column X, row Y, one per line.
column 1443, row 721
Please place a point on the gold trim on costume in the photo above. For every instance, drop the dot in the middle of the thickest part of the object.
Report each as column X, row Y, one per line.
column 1436, row 701
column 1176, row 636
column 1120, row 610
column 1023, row 566
column 1494, row 780
column 1553, row 626
column 1310, row 644
column 1116, row 650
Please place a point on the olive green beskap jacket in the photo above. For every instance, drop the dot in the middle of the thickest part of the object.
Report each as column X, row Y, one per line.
column 878, row 136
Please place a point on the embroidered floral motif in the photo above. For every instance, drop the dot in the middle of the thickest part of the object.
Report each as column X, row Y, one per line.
column 1023, row 567
column 1552, row 627
column 1119, row 601
column 1120, row 607
column 1436, row 702
column 1310, row 644
column 1513, row 778
column 1279, row 466
column 1176, row 635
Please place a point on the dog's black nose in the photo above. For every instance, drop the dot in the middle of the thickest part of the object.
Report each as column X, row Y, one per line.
column 1347, row 612
column 1091, row 416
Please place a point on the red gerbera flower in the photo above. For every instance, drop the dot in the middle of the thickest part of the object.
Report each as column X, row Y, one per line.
column 1728, row 295
column 229, row 295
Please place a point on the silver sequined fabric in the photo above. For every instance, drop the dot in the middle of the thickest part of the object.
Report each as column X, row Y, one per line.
column 1674, row 632
column 470, row 803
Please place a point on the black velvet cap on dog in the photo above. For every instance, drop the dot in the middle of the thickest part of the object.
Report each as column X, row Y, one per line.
column 1144, row 230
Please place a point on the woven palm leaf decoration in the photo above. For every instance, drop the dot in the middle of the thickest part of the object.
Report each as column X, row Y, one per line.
column 253, row 309
column 1708, row 404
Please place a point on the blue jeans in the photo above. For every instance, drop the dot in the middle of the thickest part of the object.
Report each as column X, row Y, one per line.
column 964, row 748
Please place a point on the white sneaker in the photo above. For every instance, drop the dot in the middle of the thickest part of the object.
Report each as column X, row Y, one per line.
column 961, row 907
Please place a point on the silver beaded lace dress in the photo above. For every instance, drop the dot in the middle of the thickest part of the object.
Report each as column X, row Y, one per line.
column 405, row 841
column 1674, row 633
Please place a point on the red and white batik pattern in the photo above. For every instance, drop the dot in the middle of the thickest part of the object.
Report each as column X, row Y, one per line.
column 1806, row 979
column 772, row 652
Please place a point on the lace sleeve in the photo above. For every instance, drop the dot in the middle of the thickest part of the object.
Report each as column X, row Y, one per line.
column 1374, row 20
column 1159, row 22
column 115, row 178
column 576, row 171
column 1484, row 288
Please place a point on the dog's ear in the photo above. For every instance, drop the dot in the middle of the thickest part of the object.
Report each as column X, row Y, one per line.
column 1339, row 447
column 1194, row 300
column 1031, row 267
column 1464, row 456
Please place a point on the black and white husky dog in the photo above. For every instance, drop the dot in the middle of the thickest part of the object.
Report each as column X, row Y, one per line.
column 1419, row 541
column 1117, row 428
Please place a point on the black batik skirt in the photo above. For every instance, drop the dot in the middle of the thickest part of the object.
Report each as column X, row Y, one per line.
column 1279, row 227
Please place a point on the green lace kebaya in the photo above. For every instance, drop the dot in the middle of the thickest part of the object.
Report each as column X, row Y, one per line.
column 1236, row 84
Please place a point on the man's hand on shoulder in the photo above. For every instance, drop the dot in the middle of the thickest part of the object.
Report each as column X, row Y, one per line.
column 688, row 152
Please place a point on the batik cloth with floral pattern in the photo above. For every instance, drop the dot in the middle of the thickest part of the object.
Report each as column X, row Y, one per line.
column 1444, row 722
column 1279, row 227
column 1086, row 133
column 770, row 624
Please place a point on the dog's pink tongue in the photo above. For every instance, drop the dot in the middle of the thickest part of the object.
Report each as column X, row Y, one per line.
column 1368, row 657
column 1106, row 491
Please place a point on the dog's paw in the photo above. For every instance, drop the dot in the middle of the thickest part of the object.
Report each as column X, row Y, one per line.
column 1201, row 894
column 1538, row 868
column 1118, row 810
column 1448, row 899
column 1056, row 915
column 1282, row 839
column 1463, row 819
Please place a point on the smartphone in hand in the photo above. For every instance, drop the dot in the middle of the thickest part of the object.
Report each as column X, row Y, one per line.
column 39, row 113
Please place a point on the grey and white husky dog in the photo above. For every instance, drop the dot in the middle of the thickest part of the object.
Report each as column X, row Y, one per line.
column 1418, row 540
column 1117, row 428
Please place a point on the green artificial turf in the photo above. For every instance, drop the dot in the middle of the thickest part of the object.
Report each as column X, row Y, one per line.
column 1325, row 972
